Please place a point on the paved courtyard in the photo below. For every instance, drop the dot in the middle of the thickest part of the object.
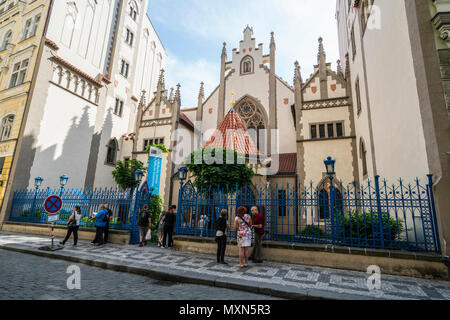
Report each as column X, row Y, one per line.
column 308, row 281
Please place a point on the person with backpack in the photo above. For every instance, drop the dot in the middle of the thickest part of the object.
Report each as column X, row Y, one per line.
column 74, row 225
column 243, row 225
column 145, row 224
column 100, row 223
column 169, row 226
column 221, row 236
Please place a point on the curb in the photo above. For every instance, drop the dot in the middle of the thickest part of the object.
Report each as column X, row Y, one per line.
column 303, row 294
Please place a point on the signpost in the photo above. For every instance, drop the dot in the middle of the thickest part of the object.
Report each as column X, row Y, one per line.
column 52, row 206
column 154, row 170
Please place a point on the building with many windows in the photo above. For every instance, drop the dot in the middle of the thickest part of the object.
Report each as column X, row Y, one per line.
column 97, row 56
column 21, row 27
column 398, row 57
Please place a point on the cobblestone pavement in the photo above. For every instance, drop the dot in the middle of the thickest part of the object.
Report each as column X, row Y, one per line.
column 29, row 277
column 316, row 281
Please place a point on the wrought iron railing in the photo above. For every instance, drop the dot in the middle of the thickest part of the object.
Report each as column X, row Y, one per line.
column 374, row 215
column 27, row 206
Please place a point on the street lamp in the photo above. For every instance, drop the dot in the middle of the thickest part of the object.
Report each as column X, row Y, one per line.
column 63, row 180
column 138, row 175
column 329, row 165
column 182, row 174
column 38, row 182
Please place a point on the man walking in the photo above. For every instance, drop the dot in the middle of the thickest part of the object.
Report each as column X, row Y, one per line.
column 258, row 223
column 169, row 226
column 109, row 215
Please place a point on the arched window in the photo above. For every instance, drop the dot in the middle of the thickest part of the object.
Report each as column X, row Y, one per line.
column 247, row 65
column 6, row 39
column 69, row 24
column 112, row 152
column 254, row 120
column 6, row 129
column 363, row 152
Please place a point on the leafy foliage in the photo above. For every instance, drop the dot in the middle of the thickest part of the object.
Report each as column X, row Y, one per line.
column 363, row 225
column 311, row 230
column 161, row 147
column 207, row 174
column 124, row 173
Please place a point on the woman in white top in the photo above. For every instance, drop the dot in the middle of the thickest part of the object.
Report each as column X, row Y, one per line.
column 74, row 225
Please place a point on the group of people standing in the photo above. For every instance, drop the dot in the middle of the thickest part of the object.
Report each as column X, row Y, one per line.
column 245, row 227
column 102, row 219
column 250, row 229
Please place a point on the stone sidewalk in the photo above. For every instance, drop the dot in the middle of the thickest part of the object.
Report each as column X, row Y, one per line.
column 275, row 279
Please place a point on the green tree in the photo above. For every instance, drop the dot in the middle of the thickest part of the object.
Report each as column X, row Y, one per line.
column 161, row 147
column 208, row 173
column 124, row 173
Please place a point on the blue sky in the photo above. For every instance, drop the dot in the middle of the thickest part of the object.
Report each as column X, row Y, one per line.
column 193, row 31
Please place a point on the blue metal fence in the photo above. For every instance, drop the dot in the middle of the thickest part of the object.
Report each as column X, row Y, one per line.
column 28, row 206
column 375, row 215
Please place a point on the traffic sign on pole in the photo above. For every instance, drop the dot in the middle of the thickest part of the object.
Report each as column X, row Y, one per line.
column 52, row 205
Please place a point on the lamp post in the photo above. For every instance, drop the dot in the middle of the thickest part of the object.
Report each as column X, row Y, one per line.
column 37, row 183
column 63, row 181
column 329, row 166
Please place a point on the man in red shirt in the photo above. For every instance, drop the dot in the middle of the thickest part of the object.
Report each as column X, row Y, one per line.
column 258, row 223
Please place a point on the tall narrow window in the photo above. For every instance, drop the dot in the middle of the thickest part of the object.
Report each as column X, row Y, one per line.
column 112, row 152
column 6, row 129
column 27, row 29
column 36, row 21
column 133, row 11
column 358, row 96
column 322, row 131
column 18, row 74
column 353, row 42
column 124, row 67
column 6, row 39
column 130, row 37
column 363, row 158
column 314, row 132
column 330, row 128
column 2, row 163
column 118, row 108
column 339, row 130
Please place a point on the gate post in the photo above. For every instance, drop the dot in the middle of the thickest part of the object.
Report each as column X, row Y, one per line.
column 332, row 212
column 135, row 207
column 380, row 214
column 180, row 209
column 433, row 213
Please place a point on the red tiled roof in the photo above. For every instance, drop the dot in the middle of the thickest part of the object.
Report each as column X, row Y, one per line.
column 75, row 69
column 232, row 134
column 105, row 79
column 184, row 118
column 287, row 163
column 189, row 109
column 51, row 44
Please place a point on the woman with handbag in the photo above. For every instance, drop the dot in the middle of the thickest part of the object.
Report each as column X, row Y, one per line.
column 74, row 225
column 243, row 225
column 161, row 228
column 221, row 236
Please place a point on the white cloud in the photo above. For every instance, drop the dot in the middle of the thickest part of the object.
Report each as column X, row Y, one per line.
column 297, row 25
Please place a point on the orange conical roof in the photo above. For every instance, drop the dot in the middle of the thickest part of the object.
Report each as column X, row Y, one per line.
column 232, row 134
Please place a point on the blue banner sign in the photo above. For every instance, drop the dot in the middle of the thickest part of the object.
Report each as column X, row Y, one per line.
column 154, row 170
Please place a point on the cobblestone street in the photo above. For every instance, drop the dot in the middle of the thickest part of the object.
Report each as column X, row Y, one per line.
column 28, row 277
column 286, row 280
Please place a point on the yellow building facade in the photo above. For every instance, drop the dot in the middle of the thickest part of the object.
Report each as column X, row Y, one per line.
column 22, row 24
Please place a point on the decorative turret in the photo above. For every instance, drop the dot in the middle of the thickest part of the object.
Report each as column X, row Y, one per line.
column 322, row 61
column 339, row 68
column 221, row 102
column 297, row 77
column 178, row 95
column 171, row 95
